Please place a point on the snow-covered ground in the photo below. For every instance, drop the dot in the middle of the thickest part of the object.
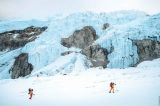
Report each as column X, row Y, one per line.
column 134, row 87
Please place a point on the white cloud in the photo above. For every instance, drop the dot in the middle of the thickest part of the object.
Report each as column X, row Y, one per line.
column 44, row 8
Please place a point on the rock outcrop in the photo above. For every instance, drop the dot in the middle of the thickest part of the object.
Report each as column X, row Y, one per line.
column 105, row 26
column 14, row 39
column 67, row 53
column 97, row 55
column 21, row 67
column 84, row 39
column 147, row 49
column 80, row 38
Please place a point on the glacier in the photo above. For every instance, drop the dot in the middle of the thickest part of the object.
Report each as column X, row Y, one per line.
column 45, row 51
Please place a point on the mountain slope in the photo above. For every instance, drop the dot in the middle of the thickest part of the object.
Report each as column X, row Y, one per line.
column 117, row 38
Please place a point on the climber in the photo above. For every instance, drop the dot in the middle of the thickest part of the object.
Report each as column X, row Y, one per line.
column 112, row 87
column 30, row 93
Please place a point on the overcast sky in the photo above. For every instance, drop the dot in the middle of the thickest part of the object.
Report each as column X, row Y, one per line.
column 45, row 8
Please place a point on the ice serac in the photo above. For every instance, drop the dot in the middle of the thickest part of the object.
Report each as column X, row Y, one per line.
column 14, row 39
column 97, row 55
column 147, row 49
column 65, row 38
column 21, row 67
column 80, row 38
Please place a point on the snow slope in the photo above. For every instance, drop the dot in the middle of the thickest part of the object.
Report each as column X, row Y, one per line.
column 134, row 87
column 45, row 51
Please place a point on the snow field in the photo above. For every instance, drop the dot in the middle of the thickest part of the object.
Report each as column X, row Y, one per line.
column 135, row 87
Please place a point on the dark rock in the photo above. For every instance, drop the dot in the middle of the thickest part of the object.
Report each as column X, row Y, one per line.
column 152, row 37
column 84, row 39
column 97, row 55
column 80, row 38
column 14, row 39
column 147, row 49
column 21, row 67
column 67, row 52
column 105, row 26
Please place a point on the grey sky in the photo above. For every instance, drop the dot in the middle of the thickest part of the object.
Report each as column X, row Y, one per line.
column 45, row 8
